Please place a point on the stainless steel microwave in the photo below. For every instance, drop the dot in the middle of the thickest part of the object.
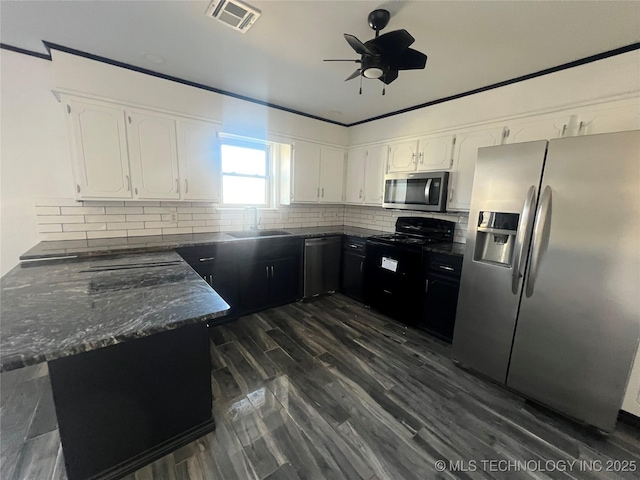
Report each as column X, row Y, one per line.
column 416, row 191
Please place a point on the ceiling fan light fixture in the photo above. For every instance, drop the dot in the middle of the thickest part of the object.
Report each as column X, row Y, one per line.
column 373, row 72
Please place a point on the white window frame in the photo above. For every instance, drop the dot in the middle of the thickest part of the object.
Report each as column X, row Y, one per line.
column 269, row 177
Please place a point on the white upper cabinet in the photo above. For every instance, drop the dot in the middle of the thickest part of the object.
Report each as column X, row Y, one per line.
column 199, row 160
column 331, row 175
column 607, row 119
column 464, row 164
column 435, row 153
column 153, row 156
column 99, row 150
column 356, row 161
column 305, row 178
column 539, row 128
column 403, row 156
column 374, row 175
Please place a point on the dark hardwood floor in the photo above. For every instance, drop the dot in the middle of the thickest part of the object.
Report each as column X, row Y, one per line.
column 330, row 389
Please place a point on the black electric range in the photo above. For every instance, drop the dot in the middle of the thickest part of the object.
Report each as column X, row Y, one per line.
column 397, row 267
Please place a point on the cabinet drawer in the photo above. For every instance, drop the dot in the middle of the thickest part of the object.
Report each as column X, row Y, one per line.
column 354, row 244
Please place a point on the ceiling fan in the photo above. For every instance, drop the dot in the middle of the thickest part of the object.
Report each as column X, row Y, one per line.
column 383, row 56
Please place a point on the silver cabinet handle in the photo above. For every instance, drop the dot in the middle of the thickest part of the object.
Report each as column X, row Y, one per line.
column 580, row 128
column 540, row 240
column 78, row 188
column 271, row 271
column 444, row 267
column 186, row 186
column 318, row 193
column 353, row 245
column 128, row 183
column 207, row 259
column 522, row 238
column 450, row 194
column 322, row 192
column 421, row 158
column 361, row 265
column 177, row 186
column 136, row 190
column 267, row 270
column 564, row 129
column 360, row 194
column 427, row 191
column 413, row 157
column 426, row 286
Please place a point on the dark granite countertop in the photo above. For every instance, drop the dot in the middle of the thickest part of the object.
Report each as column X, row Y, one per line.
column 161, row 243
column 59, row 309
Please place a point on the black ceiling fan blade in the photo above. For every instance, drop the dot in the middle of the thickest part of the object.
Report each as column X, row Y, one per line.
column 357, row 45
column 389, row 77
column 392, row 43
column 355, row 74
column 340, row 60
column 410, row 59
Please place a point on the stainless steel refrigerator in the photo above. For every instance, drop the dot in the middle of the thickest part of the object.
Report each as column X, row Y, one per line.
column 549, row 299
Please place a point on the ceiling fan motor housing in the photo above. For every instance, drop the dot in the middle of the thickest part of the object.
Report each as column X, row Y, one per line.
column 374, row 66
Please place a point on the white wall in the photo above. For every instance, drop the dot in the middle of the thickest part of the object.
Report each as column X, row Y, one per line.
column 34, row 152
column 603, row 79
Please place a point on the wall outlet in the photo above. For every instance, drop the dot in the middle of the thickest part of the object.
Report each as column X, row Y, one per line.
column 174, row 216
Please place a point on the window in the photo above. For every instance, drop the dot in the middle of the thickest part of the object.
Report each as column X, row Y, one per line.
column 245, row 172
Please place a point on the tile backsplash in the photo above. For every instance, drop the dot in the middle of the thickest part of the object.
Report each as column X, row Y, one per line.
column 67, row 219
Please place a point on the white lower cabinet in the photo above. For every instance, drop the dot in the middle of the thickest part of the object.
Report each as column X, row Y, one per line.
column 199, row 161
column 99, row 150
column 153, row 156
column 365, row 175
column 464, row 164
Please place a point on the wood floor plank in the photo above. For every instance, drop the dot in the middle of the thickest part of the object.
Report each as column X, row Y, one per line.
column 245, row 375
column 38, row 457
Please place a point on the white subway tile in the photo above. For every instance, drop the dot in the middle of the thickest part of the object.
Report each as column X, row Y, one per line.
column 83, row 227
column 104, row 218
column 144, row 232
column 185, row 216
column 124, row 210
column 125, row 225
column 65, row 236
column 50, row 228
column 159, row 209
column 47, row 210
column 60, row 219
column 160, row 224
column 200, row 216
column 144, row 218
column 81, row 210
column 107, row 234
column 192, row 210
column 175, row 204
column 192, row 223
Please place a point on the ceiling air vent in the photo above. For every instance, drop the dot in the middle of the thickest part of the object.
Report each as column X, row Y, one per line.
column 234, row 13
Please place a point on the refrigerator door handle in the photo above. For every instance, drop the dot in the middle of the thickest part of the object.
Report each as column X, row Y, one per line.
column 522, row 237
column 427, row 191
column 540, row 240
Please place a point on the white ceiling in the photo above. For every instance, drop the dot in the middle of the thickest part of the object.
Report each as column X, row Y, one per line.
column 470, row 44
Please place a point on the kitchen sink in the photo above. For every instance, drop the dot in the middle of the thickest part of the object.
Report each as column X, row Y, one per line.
column 257, row 233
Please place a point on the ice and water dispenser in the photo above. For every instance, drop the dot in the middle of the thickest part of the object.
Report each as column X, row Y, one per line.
column 495, row 238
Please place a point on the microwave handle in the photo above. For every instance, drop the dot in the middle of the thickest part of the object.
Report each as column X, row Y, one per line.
column 427, row 192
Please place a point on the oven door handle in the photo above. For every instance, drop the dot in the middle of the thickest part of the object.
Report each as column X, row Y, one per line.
column 427, row 191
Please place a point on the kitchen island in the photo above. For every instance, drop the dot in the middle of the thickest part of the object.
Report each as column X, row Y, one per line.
column 125, row 338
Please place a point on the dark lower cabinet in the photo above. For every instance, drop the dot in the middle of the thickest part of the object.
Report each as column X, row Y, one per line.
column 352, row 271
column 251, row 275
column 441, row 294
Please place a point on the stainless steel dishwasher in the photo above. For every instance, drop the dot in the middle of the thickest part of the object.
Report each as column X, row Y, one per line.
column 321, row 265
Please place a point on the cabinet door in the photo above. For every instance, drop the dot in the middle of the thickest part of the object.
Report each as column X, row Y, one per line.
column 222, row 277
column 464, row 164
column 153, row 155
column 435, row 153
column 99, row 146
column 331, row 175
column 354, row 191
column 403, row 156
column 616, row 119
column 198, row 156
column 285, row 281
column 538, row 129
column 374, row 175
column 306, row 172
column 254, row 285
column 352, row 278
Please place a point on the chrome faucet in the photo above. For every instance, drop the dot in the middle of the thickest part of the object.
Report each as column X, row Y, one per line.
column 255, row 217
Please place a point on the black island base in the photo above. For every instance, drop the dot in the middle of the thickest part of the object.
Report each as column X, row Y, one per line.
column 121, row 407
